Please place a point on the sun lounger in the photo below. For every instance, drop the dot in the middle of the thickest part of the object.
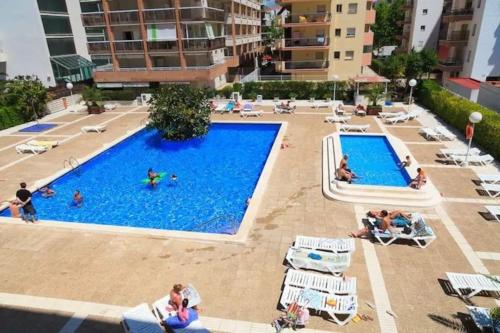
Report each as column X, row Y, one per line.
column 473, row 282
column 430, row 133
column 489, row 178
column 220, row 108
column 337, row 119
column 334, row 263
column 385, row 115
column 278, row 108
column 473, row 159
column 319, row 301
column 140, row 320
column 248, row 111
column 321, row 104
column 448, row 152
column 482, row 318
column 393, row 120
column 321, row 282
column 421, row 234
column 95, row 128
column 495, row 211
column 43, row 143
column 414, row 114
column 359, row 112
column 445, row 133
column 354, row 128
column 78, row 108
column 110, row 106
column 493, row 190
column 335, row 245
column 25, row 148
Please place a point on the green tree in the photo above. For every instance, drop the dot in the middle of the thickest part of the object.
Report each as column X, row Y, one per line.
column 91, row 95
column 375, row 94
column 179, row 112
column 414, row 65
column 429, row 60
column 273, row 33
column 27, row 95
column 387, row 26
column 394, row 67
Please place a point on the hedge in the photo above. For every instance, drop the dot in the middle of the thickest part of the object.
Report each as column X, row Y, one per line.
column 10, row 117
column 455, row 111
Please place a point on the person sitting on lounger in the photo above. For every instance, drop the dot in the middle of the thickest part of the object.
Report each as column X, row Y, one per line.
column 406, row 163
column 47, row 191
column 382, row 223
column 420, row 180
column 152, row 177
column 360, row 107
column 238, row 107
column 397, row 218
column 287, row 105
column 184, row 316
column 175, row 298
column 213, row 106
column 77, row 199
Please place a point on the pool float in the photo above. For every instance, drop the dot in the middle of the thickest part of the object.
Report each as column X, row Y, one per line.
column 175, row 323
column 160, row 176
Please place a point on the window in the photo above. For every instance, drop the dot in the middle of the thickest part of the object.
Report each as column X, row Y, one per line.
column 351, row 32
column 338, row 32
column 61, row 46
column 367, row 49
column 422, row 28
column 425, row 11
column 339, row 8
column 369, row 5
column 478, row 3
column 367, row 28
column 468, row 56
column 53, row 6
column 353, row 8
column 56, row 25
column 349, row 55
column 473, row 30
column 336, row 55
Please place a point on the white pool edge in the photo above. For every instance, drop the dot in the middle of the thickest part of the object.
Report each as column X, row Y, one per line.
column 240, row 237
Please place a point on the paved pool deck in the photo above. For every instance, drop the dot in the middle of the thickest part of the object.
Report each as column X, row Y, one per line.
column 43, row 268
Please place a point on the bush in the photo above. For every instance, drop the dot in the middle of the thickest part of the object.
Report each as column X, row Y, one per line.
column 227, row 91
column 455, row 111
column 127, row 94
column 9, row 117
column 297, row 89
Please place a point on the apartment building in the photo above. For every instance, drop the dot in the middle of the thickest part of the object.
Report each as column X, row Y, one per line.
column 326, row 39
column 44, row 38
column 148, row 42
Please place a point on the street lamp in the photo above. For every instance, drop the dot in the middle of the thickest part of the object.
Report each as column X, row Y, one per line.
column 335, row 77
column 474, row 118
column 69, row 86
column 412, row 84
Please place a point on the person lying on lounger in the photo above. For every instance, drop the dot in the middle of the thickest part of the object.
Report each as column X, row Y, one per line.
column 287, row 106
column 384, row 221
column 420, row 180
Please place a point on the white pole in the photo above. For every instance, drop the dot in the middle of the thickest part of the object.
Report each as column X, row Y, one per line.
column 409, row 102
column 466, row 162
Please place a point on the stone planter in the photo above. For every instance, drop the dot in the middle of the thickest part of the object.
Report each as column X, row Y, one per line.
column 373, row 110
column 95, row 109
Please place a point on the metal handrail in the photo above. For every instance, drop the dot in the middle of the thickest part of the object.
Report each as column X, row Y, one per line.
column 71, row 162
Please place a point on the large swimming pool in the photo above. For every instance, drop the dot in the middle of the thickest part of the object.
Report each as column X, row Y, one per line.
column 216, row 175
column 373, row 159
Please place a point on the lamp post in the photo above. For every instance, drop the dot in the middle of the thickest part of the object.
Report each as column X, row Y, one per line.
column 474, row 118
column 69, row 86
column 335, row 77
column 412, row 84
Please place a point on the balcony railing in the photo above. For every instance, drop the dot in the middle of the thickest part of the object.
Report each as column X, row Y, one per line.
column 460, row 35
column 312, row 64
column 93, row 19
column 300, row 42
column 203, row 44
column 308, row 18
column 458, row 12
column 161, row 46
column 128, row 46
column 159, row 15
column 99, row 47
column 451, row 62
column 124, row 17
column 202, row 14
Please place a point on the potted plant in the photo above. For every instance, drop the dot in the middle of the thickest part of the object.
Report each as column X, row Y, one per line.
column 375, row 95
column 293, row 96
column 92, row 97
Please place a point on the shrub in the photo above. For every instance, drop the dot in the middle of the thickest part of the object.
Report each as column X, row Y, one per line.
column 27, row 95
column 9, row 117
column 455, row 111
column 127, row 94
column 91, row 96
column 226, row 91
column 179, row 112
column 297, row 89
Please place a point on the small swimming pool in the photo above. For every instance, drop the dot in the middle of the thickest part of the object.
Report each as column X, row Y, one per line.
column 373, row 159
column 216, row 175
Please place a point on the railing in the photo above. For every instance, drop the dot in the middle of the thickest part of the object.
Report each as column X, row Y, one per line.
column 451, row 62
column 204, row 44
column 458, row 35
column 164, row 45
column 159, row 15
column 73, row 163
column 312, row 64
column 104, row 68
column 458, row 12
column 99, row 47
column 93, row 19
column 124, row 17
column 202, row 14
column 124, row 46
column 308, row 18
column 298, row 42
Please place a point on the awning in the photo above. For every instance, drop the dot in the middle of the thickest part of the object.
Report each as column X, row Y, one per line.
column 73, row 68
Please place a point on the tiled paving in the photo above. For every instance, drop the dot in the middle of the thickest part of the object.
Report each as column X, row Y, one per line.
column 243, row 282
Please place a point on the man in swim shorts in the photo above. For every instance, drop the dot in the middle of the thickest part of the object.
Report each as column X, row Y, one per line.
column 24, row 198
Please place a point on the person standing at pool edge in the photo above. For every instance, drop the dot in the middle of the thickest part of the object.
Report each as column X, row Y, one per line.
column 24, row 197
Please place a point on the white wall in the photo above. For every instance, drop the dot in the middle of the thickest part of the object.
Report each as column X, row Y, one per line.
column 489, row 96
column 485, row 44
column 470, row 94
column 428, row 38
column 79, row 34
column 23, row 40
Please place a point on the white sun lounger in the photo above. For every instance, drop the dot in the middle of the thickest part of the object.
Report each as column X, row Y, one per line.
column 421, row 234
column 354, row 128
column 321, row 282
column 140, row 320
column 279, row 109
column 430, row 133
column 360, row 113
column 385, row 115
column 489, row 178
column 335, row 245
column 334, row 263
column 25, row 148
column 393, row 120
column 110, row 106
column 495, row 211
column 482, row 318
column 330, row 303
column 493, row 190
column 337, row 119
column 43, row 143
column 473, row 282
column 448, row 152
column 414, row 114
column 473, row 159
column 251, row 113
column 321, row 104
column 444, row 132
column 94, row 128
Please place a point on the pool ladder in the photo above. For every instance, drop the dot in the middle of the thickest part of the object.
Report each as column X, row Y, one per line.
column 73, row 163
column 233, row 223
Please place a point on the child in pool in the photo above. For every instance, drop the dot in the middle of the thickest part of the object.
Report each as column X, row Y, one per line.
column 77, row 199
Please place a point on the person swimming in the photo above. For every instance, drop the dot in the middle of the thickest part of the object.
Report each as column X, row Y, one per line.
column 77, row 199
column 152, row 177
column 47, row 191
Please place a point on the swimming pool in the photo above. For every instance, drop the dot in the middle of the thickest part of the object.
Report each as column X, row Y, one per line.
column 372, row 158
column 216, row 175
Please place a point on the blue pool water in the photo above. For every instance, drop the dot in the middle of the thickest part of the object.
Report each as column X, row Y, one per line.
column 38, row 128
column 216, row 175
column 374, row 160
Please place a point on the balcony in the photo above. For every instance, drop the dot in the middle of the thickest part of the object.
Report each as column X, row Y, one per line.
column 308, row 19
column 159, row 15
column 450, row 65
column 128, row 46
column 203, row 44
column 293, row 43
column 455, row 38
column 124, row 17
column 454, row 15
column 163, row 46
column 202, row 14
column 370, row 16
column 306, row 65
column 93, row 19
column 99, row 47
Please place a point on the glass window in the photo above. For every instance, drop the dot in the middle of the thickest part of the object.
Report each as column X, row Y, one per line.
column 349, row 55
column 422, row 28
column 473, row 30
column 351, row 32
column 56, row 25
column 336, row 55
column 367, row 48
column 61, row 46
column 55, row 6
column 367, row 28
column 353, row 8
column 338, row 32
column 91, row 7
column 339, row 8
column 468, row 56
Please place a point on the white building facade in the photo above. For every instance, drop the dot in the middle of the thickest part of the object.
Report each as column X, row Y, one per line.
column 422, row 24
